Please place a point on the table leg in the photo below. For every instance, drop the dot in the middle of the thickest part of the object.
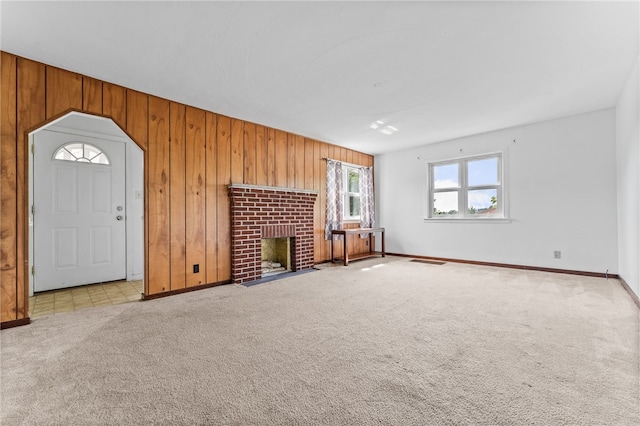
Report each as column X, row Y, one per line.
column 333, row 259
column 382, row 242
column 345, row 252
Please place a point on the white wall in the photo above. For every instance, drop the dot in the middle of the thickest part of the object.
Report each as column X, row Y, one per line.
column 628, row 166
column 561, row 188
column 135, row 212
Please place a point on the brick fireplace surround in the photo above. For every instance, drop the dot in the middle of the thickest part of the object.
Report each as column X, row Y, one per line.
column 269, row 212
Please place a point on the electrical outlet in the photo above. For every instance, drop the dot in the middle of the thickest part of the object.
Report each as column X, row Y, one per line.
column 196, row 268
column 557, row 254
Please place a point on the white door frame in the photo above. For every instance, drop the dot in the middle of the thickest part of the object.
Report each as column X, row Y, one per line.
column 104, row 128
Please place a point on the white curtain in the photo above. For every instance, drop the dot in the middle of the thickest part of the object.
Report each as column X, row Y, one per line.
column 367, row 206
column 334, row 197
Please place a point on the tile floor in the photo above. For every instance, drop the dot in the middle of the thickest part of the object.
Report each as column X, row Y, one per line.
column 73, row 299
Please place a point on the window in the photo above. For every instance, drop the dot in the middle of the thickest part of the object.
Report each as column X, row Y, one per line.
column 467, row 188
column 351, row 183
column 82, row 153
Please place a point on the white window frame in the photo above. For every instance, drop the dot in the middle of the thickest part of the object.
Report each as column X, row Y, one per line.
column 345, row 189
column 463, row 189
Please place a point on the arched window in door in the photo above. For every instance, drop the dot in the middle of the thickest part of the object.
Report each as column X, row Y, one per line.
column 82, row 153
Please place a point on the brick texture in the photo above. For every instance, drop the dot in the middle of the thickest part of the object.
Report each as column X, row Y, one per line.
column 258, row 213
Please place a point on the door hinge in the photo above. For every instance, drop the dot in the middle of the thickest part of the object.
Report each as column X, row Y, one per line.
column 33, row 148
column 33, row 209
column 33, row 270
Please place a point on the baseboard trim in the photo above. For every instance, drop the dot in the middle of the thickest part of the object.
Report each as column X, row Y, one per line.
column 509, row 265
column 634, row 296
column 183, row 290
column 15, row 323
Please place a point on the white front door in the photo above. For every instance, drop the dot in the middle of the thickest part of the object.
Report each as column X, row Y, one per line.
column 79, row 210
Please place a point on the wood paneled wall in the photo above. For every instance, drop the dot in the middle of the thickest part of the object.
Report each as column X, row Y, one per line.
column 191, row 156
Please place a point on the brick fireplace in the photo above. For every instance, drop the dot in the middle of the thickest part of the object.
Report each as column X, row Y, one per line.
column 259, row 212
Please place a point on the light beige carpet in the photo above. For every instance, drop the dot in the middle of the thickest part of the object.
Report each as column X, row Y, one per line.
column 382, row 341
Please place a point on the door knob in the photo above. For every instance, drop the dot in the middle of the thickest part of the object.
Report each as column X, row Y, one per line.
column 119, row 217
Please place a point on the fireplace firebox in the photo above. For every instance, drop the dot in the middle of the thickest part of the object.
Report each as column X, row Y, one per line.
column 276, row 255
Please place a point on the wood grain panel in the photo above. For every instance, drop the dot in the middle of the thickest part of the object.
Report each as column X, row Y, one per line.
column 237, row 151
column 309, row 163
column 367, row 160
column 64, row 91
column 91, row 95
column 291, row 160
column 356, row 158
column 211, row 201
column 31, row 113
column 158, row 240
column 262, row 165
column 334, row 152
column 281, row 159
column 195, row 196
column 349, row 157
column 271, row 158
column 177, row 179
column 114, row 103
column 249, row 153
column 223, row 176
column 8, row 189
column 299, row 162
column 137, row 115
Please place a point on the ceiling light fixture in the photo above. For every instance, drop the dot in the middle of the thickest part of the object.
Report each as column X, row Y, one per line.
column 380, row 126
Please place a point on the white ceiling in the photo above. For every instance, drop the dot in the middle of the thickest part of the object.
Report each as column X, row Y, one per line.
column 327, row 70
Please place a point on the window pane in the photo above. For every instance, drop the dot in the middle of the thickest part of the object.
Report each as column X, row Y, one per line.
column 445, row 176
column 63, row 154
column 100, row 159
column 445, row 203
column 76, row 149
column 91, row 151
column 483, row 202
column 483, row 172
column 354, row 206
column 353, row 181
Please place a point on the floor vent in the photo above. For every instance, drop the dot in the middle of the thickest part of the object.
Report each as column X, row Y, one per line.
column 431, row 262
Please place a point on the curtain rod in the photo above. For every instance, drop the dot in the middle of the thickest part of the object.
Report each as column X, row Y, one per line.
column 357, row 166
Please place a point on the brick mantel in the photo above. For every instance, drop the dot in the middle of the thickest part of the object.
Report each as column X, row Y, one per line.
column 269, row 212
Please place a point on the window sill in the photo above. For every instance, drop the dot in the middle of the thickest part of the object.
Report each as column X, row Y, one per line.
column 467, row 220
column 351, row 221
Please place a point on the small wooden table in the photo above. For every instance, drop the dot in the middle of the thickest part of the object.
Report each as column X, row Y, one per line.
column 345, row 232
